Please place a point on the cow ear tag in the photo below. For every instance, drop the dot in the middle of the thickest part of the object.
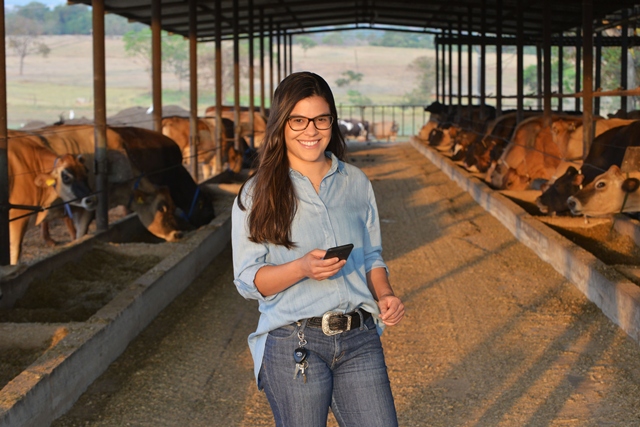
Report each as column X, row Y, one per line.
column 50, row 182
column 139, row 200
column 630, row 185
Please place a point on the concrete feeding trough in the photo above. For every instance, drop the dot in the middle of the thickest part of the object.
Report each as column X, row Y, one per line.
column 607, row 286
column 62, row 359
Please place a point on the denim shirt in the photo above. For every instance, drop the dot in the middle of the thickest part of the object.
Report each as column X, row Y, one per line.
column 344, row 211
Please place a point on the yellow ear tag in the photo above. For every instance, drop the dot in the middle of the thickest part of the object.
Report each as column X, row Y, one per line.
column 139, row 200
column 50, row 182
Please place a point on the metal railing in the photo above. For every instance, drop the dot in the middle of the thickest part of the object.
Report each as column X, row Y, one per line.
column 409, row 118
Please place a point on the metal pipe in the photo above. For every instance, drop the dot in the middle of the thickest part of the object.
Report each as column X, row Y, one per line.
column 587, row 115
column 100, row 115
column 251, row 78
column 546, row 28
column 193, row 87
column 156, row 63
column 5, row 255
column 219, row 127
column 236, row 78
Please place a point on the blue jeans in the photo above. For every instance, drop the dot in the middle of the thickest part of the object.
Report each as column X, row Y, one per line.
column 346, row 372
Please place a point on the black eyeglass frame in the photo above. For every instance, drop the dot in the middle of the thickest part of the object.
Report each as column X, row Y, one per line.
column 309, row 120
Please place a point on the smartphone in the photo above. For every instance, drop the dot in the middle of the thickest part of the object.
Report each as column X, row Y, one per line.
column 341, row 252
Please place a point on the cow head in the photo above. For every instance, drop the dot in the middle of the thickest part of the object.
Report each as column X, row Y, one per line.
column 562, row 129
column 435, row 137
column 609, row 193
column 155, row 209
column 554, row 196
column 461, row 142
column 69, row 179
column 200, row 210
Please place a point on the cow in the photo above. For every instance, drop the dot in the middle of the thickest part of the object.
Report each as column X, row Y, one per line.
column 126, row 184
column 484, row 153
column 355, row 129
column 425, row 130
column 609, row 193
column 532, row 155
column 437, row 111
column 159, row 159
column 620, row 114
column 39, row 177
column 243, row 128
column 607, row 149
column 384, row 130
column 463, row 139
column 458, row 127
column 178, row 129
column 442, row 137
column 568, row 136
column 551, row 201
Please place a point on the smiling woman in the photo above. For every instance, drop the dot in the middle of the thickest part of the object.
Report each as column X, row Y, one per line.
column 303, row 199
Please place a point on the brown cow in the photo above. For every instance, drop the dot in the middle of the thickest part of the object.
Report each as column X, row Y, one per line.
column 607, row 149
column 425, row 130
column 531, row 155
column 127, row 186
column 39, row 177
column 609, row 193
column 178, row 129
column 384, row 130
column 243, row 128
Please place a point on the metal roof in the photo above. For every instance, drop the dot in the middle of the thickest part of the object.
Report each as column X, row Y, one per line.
column 429, row 16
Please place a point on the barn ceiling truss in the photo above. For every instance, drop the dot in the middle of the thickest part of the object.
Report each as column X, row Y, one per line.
column 427, row 16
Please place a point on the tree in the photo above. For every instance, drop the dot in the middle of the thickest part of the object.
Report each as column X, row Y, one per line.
column 137, row 44
column 207, row 66
column 175, row 51
column 400, row 39
column 333, row 39
column 350, row 76
column 306, row 42
column 35, row 11
column 24, row 39
column 75, row 19
column 424, row 67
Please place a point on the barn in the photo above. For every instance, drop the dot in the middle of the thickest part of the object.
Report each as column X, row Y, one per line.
column 566, row 382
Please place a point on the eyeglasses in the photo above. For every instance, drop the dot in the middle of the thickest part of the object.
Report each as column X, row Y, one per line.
column 299, row 123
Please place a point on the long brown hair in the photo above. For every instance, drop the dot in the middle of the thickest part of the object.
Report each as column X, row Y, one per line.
column 274, row 199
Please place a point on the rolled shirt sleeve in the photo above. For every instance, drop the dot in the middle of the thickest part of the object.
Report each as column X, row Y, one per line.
column 248, row 257
column 373, row 238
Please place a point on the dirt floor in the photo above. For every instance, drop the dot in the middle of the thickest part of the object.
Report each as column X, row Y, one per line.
column 493, row 336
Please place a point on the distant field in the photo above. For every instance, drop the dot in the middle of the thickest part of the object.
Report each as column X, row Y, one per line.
column 63, row 81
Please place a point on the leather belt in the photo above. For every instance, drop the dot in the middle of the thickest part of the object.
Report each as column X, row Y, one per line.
column 333, row 322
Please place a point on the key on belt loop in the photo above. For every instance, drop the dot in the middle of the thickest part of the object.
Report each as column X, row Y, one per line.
column 325, row 323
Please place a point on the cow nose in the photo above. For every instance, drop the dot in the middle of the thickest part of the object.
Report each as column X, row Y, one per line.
column 175, row 235
column 90, row 202
column 572, row 203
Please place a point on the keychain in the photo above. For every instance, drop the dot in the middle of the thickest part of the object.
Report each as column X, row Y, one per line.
column 300, row 357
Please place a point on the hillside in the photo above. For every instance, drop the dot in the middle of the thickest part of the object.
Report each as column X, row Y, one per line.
column 63, row 81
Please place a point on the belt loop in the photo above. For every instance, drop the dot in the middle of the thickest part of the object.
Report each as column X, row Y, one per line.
column 361, row 318
column 302, row 324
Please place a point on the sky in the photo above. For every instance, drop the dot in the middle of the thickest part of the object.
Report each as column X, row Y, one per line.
column 50, row 3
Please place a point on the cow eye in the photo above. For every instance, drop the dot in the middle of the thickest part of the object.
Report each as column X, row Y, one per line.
column 600, row 185
column 66, row 178
column 163, row 207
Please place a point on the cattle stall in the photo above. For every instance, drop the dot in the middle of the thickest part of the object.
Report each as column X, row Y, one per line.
column 483, row 23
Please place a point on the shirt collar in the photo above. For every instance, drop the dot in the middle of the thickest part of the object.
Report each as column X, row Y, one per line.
column 336, row 166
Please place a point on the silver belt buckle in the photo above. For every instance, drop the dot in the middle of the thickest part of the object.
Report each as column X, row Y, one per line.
column 325, row 323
